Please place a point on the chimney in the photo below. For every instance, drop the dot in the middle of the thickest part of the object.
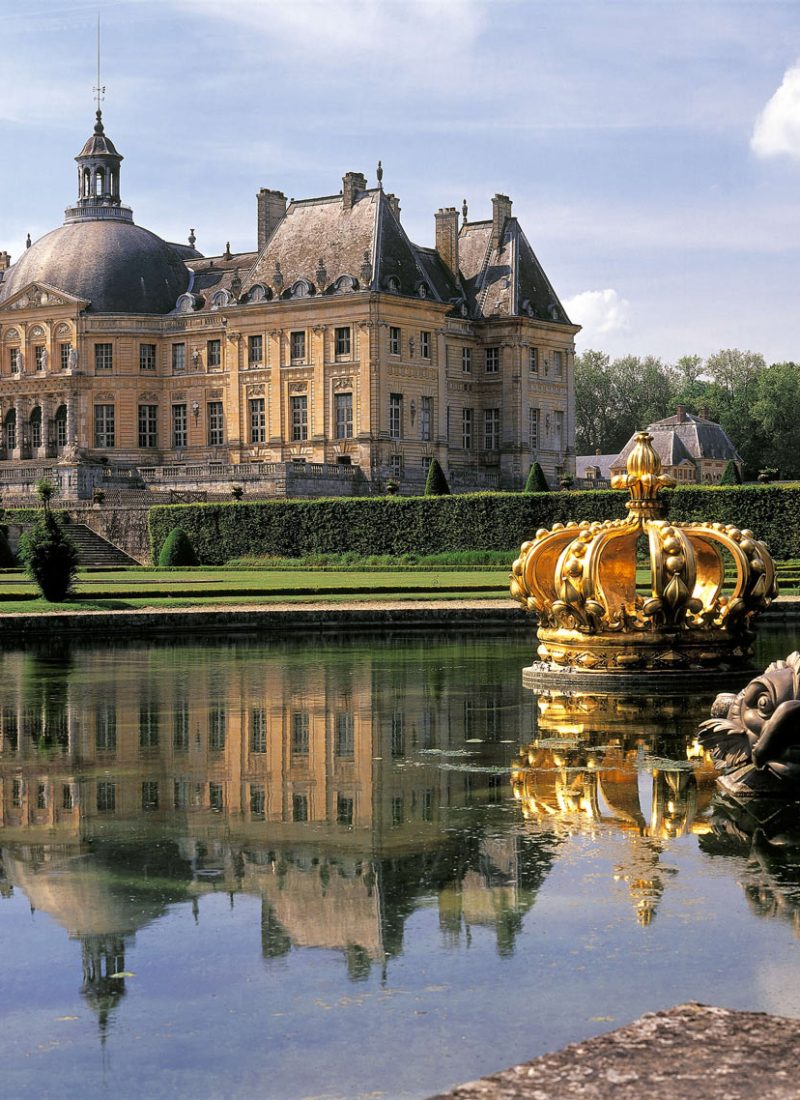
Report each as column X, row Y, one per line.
column 352, row 183
column 394, row 204
column 5, row 261
column 447, row 236
column 597, row 451
column 271, row 208
column 501, row 210
column 681, row 414
column 705, row 412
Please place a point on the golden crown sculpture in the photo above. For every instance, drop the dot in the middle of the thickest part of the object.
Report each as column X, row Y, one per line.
column 580, row 580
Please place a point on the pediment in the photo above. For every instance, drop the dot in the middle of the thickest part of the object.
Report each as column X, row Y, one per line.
column 41, row 296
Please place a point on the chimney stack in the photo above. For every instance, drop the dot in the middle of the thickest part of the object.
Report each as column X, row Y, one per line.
column 447, row 236
column 681, row 414
column 5, row 261
column 271, row 208
column 352, row 184
column 501, row 210
column 394, row 204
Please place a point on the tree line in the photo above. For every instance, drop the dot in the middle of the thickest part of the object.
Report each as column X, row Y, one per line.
column 757, row 405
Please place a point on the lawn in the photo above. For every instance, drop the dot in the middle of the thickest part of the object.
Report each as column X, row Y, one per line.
column 205, row 586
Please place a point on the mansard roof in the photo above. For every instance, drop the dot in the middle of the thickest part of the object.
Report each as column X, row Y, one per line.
column 685, row 437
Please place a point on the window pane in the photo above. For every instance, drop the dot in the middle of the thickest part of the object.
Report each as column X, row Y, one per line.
column 344, row 415
column 179, row 426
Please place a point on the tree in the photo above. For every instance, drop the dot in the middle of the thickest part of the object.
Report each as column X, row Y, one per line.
column 731, row 475
column 594, row 402
column 50, row 558
column 177, row 550
column 7, row 559
column 775, row 418
column 436, row 483
column 536, row 482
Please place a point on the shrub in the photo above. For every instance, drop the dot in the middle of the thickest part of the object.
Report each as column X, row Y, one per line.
column 536, row 482
column 7, row 559
column 436, row 483
column 731, row 475
column 50, row 558
column 177, row 549
column 469, row 521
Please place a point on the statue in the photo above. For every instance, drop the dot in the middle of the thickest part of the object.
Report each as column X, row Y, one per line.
column 754, row 737
column 72, row 359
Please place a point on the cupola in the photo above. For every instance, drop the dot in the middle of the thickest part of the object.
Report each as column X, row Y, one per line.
column 98, row 180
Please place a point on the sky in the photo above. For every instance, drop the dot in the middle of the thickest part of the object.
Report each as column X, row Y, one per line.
column 651, row 147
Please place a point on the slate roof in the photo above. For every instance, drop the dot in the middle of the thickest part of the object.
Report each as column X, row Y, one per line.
column 117, row 267
column 601, row 462
column 506, row 280
column 687, row 439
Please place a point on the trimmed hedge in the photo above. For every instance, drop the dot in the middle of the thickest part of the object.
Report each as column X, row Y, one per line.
column 477, row 521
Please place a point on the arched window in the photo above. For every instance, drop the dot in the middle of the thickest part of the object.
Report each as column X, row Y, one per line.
column 61, row 426
column 10, row 429
column 36, row 426
column 99, row 179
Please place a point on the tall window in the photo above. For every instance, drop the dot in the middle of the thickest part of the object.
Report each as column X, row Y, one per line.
column 299, row 807
column 558, row 428
column 258, row 730
column 466, row 360
column 11, row 429
column 216, row 424
column 558, row 364
column 300, row 730
column 425, row 418
column 36, row 427
column 299, row 418
column 491, row 424
column 492, row 360
column 103, row 357
column 106, row 727
column 344, row 744
column 297, row 347
column 180, row 726
column 396, row 415
column 39, row 356
column 344, row 415
column 64, row 352
column 106, row 797
column 179, row 426
column 255, row 350
column 533, row 360
column 213, row 353
column 342, row 342
column 61, row 426
column 258, row 420
column 149, row 795
column 425, row 345
column 466, row 429
column 149, row 723
column 104, row 426
column 216, row 729
column 533, row 429
column 344, row 810
column 394, row 340
column 148, row 425
column 178, row 358
column 14, row 356
column 147, row 357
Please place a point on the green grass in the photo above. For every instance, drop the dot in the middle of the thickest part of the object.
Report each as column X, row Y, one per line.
column 206, row 586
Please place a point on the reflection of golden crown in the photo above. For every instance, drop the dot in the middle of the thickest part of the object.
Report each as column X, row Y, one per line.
column 580, row 580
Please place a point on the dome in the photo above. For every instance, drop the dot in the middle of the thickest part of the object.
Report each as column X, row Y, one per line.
column 116, row 266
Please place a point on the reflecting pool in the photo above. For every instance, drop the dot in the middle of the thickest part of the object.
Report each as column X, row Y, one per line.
column 358, row 868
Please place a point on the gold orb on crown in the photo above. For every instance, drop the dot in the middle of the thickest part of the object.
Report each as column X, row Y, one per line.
column 707, row 583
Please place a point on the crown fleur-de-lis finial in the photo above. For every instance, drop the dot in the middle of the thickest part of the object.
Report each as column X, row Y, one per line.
column 643, row 478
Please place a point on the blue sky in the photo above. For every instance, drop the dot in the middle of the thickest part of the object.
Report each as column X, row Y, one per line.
column 651, row 148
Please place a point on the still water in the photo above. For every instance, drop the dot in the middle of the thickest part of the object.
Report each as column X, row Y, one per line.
column 362, row 868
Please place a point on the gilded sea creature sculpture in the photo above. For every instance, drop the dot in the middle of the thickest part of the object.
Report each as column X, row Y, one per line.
column 753, row 738
column 580, row 579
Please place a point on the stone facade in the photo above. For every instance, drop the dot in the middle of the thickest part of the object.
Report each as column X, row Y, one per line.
column 338, row 341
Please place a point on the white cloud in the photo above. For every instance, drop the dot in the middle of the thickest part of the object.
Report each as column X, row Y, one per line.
column 602, row 313
column 777, row 128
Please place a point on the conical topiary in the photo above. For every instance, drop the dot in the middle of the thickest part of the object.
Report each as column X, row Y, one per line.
column 731, row 475
column 537, row 482
column 177, row 549
column 436, row 483
column 7, row 559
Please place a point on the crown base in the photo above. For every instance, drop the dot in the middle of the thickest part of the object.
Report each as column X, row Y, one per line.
column 656, row 652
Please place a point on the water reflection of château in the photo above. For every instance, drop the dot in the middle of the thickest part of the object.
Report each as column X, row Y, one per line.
column 324, row 782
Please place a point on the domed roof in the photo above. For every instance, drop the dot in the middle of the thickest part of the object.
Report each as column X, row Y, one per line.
column 116, row 266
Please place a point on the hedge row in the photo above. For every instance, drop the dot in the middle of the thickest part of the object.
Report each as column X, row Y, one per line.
column 479, row 521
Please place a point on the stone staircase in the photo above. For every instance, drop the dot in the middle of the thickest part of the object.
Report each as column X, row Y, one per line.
column 93, row 550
